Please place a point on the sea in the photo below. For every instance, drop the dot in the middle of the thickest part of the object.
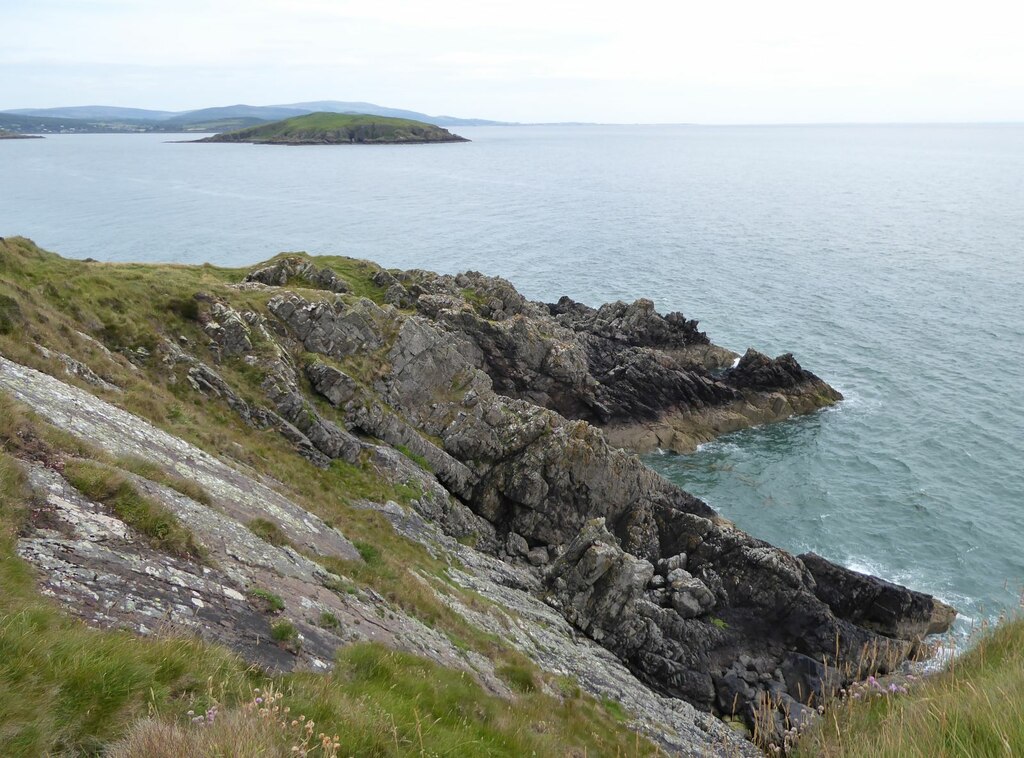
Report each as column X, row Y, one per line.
column 888, row 259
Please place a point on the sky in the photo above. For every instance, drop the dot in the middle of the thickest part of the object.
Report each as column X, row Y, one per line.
column 715, row 62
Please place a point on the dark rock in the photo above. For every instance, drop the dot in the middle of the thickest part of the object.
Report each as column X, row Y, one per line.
column 809, row 681
column 732, row 693
column 876, row 604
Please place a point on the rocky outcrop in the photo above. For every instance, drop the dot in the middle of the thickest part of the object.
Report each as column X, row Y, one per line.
column 650, row 380
column 510, row 417
column 636, row 564
column 876, row 604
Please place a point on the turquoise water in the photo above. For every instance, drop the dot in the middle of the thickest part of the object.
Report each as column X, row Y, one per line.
column 890, row 260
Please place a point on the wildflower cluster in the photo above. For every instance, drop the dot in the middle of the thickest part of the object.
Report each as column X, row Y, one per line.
column 298, row 733
column 203, row 718
column 872, row 687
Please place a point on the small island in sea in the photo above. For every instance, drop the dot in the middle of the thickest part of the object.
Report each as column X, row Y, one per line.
column 4, row 134
column 339, row 129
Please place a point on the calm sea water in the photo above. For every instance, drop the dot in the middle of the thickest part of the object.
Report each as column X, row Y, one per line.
column 890, row 260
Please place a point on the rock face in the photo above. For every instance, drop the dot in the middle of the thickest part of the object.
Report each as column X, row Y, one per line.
column 485, row 385
column 876, row 604
column 502, row 400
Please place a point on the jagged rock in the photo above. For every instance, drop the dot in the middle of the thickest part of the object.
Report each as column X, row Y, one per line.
column 733, row 693
column 689, row 597
column 757, row 371
column 516, row 545
column 228, row 332
column 530, row 472
column 876, row 604
column 636, row 324
column 300, row 272
column 538, row 556
column 77, row 368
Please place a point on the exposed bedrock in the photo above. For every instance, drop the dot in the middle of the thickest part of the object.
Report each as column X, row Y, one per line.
column 517, row 415
column 695, row 607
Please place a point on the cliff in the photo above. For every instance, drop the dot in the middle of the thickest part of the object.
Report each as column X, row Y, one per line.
column 434, row 463
column 339, row 129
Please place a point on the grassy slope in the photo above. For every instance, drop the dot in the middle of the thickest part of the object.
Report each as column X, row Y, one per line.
column 340, row 128
column 971, row 710
column 64, row 687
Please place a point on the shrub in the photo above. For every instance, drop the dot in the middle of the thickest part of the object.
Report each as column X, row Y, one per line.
column 519, row 677
column 369, row 553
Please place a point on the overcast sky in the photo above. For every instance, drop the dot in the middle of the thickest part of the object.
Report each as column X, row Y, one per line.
column 745, row 61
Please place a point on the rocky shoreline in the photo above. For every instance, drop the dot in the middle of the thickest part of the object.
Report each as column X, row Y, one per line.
column 518, row 413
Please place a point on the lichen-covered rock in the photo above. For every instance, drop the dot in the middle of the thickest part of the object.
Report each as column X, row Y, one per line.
column 299, row 272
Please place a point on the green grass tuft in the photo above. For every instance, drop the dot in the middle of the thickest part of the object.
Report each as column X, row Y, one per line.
column 268, row 601
column 156, row 473
column 158, row 525
column 283, row 631
column 269, row 532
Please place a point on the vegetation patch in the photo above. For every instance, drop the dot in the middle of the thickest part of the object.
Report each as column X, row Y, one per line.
column 269, row 532
column 520, row 678
column 283, row 631
column 970, row 709
column 419, row 460
column 157, row 473
column 149, row 518
column 10, row 314
column 267, row 601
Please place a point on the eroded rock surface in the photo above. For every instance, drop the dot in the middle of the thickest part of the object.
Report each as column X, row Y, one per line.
column 510, row 417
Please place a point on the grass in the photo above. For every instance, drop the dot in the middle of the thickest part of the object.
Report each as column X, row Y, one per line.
column 283, row 631
column 336, row 128
column 971, row 709
column 155, row 473
column 67, row 689
column 270, row 602
column 153, row 521
column 419, row 460
column 269, row 532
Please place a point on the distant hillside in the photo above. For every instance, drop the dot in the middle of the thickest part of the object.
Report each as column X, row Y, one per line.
column 339, row 129
column 106, row 118
column 95, row 113
column 339, row 106
column 43, row 125
column 250, row 112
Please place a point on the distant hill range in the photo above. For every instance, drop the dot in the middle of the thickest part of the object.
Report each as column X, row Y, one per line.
column 106, row 119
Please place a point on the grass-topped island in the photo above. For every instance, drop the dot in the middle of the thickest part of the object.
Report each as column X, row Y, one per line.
column 339, row 129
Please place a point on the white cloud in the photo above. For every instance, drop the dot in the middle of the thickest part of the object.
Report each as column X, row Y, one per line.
column 532, row 60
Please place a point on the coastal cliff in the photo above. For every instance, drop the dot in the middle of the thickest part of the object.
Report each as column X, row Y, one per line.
column 327, row 411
